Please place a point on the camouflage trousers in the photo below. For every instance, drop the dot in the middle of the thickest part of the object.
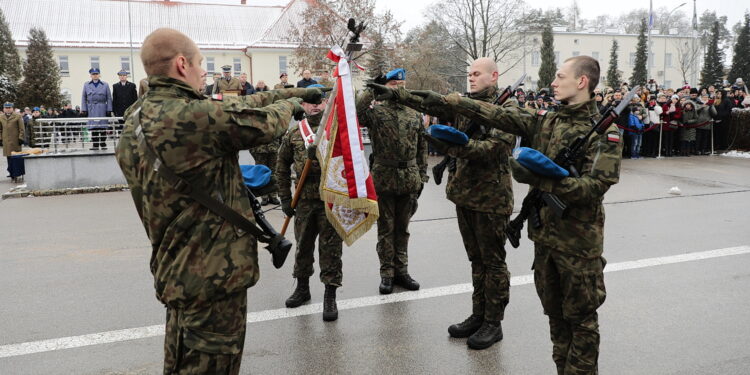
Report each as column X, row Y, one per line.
column 207, row 339
column 310, row 221
column 269, row 160
column 571, row 289
column 484, row 239
column 393, row 232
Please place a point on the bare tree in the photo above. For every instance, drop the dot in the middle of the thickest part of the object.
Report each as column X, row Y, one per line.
column 483, row 28
column 430, row 62
column 688, row 56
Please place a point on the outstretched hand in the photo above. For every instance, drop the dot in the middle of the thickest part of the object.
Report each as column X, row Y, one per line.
column 298, row 112
column 381, row 92
column 523, row 175
column 429, row 98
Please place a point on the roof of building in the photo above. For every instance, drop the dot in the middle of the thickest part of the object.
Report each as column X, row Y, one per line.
column 104, row 23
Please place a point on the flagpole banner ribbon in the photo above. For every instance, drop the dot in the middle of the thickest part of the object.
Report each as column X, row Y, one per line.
column 346, row 183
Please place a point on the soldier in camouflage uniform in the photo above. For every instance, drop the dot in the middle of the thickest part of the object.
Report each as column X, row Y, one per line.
column 202, row 265
column 227, row 82
column 480, row 186
column 310, row 219
column 266, row 155
column 399, row 172
column 568, row 262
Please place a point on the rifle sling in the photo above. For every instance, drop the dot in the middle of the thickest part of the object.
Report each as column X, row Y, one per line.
column 185, row 187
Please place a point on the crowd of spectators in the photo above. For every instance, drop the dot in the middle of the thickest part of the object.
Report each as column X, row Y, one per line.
column 684, row 121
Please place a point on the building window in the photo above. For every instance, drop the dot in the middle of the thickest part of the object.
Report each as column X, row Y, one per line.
column 282, row 64
column 668, row 59
column 631, row 60
column 94, row 62
column 125, row 63
column 576, row 53
column 535, row 58
column 237, row 66
column 557, row 58
column 64, row 67
column 595, row 55
column 210, row 65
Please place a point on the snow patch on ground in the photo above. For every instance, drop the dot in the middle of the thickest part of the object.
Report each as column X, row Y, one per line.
column 737, row 154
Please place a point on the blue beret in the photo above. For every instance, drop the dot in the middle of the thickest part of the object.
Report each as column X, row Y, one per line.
column 94, row 71
column 448, row 134
column 397, row 74
column 36, row 108
column 122, row 73
column 538, row 163
column 8, row 105
column 255, row 176
column 318, row 86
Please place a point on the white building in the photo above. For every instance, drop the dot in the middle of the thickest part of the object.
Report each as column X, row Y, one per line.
column 96, row 33
column 669, row 55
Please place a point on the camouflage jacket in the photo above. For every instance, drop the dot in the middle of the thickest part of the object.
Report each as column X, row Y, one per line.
column 481, row 181
column 395, row 132
column 270, row 148
column 581, row 232
column 293, row 152
column 197, row 256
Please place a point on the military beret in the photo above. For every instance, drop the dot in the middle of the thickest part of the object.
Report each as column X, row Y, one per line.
column 255, row 176
column 122, row 73
column 8, row 105
column 94, row 71
column 226, row 68
column 36, row 108
column 318, row 86
column 448, row 134
column 538, row 163
column 396, row 74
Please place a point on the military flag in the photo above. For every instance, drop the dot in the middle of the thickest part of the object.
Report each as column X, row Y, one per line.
column 346, row 183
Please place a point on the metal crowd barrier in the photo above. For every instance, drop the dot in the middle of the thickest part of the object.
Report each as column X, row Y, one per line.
column 58, row 135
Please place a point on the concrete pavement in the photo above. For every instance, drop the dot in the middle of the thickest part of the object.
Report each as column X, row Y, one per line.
column 77, row 265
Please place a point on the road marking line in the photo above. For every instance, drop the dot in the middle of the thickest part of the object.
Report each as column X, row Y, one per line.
column 13, row 350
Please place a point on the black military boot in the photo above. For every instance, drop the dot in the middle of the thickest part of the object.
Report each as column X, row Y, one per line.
column 386, row 285
column 330, row 311
column 275, row 201
column 406, row 282
column 467, row 327
column 488, row 334
column 264, row 201
column 301, row 293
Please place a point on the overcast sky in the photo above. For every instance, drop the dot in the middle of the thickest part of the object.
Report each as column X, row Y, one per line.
column 410, row 11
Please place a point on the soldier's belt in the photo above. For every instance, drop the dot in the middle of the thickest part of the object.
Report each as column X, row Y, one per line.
column 401, row 164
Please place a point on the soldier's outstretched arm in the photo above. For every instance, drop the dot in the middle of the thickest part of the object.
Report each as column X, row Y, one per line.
column 237, row 126
column 508, row 117
column 283, row 172
column 407, row 98
column 600, row 170
column 264, row 98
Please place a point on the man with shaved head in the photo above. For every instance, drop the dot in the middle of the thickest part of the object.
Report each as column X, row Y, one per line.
column 202, row 264
column 480, row 186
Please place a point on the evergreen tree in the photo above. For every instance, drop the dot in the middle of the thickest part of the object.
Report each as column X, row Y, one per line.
column 613, row 75
column 10, row 63
column 741, row 58
column 548, row 68
column 639, row 76
column 377, row 63
column 713, row 62
column 41, row 76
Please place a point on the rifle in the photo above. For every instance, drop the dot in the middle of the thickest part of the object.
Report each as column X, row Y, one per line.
column 450, row 162
column 566, row 158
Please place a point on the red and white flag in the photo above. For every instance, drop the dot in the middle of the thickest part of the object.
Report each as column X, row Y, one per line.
column 346, row 183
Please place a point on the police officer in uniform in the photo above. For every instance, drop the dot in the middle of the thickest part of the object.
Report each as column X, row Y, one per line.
column 399, row 172
column 480, row 186
column 227, row 82
column 202, row 264
column 568, row 262
column 310, row 219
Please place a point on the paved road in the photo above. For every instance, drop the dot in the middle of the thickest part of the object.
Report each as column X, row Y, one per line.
column 78, row 265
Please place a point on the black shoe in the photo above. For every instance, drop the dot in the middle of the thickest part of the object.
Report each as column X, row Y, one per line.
column 301, row 293
column 487, row 335
column 264, row 201
column 406, row 281
column 274, row 201
column 330, row 311
column 386, row 285
column 467, row 327
column 94, row 149
column 104, row 147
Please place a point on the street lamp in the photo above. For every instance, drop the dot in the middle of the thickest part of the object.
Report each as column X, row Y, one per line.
column 664, row 79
